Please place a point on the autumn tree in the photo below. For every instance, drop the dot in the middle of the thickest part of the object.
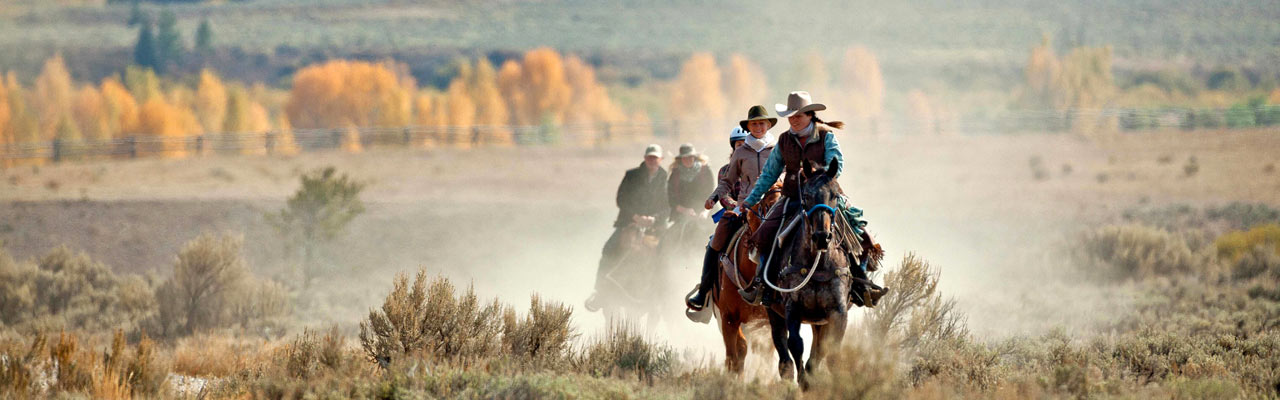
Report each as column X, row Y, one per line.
column 23, row 126
column 89, row 111
column 590, row 101
column 536, row 89
column 121, row 108
column 168, row 126
column 461, row 114
column 1041, row 75
column 491, row 109
column 696, row 92
column 142, row 83
column 211, row 102
column 343, row 93
column 744, row 84
column 52, row 97
column 862, row 86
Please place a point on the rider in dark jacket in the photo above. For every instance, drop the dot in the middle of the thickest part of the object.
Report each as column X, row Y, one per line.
column 642, row 199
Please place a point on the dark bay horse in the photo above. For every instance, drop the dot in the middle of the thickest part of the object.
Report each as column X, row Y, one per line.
column 629, row 286
column 816, row 276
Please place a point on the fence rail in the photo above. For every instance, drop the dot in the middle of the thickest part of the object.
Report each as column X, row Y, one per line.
column 303, row 140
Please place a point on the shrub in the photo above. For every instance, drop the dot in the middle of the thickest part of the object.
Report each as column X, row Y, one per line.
column 1137, row 252
column 431, row 320
column 1232, row 246
column 913, row 312
column 211, row 288
column 1257, row 261
column 65, row 290
column 308, row 354
column 543, row 335
column 622, row 351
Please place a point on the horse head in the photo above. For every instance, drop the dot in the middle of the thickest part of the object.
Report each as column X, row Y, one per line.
column 818, row 197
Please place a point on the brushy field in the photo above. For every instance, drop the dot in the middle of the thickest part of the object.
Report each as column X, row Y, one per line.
column 1013, row 238
column 1204, row 327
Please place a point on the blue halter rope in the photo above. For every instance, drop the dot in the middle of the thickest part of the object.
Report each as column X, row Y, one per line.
column 822, row 207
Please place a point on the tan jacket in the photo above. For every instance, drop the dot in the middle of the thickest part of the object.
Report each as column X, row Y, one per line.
column 744, row 168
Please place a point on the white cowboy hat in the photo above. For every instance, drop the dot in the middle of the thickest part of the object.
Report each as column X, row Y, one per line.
column 798, row 102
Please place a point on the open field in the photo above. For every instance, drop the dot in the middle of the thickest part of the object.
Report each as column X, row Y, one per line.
column 993, row 213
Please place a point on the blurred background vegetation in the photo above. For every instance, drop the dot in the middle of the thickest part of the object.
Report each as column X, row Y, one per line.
column 200, row 67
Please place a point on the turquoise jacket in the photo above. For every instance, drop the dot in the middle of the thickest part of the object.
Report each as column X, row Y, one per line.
column 774, row 166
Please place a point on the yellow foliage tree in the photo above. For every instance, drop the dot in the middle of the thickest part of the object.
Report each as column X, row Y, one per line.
column 745, row 84
column 536, row 89
column 285, row 143
column 91, row 115
column 122, row 109
column 1042, row 73
column 461, row 114
column 491, row 109
column 922, row 112
column 142, row 83
column 6, row 137
column 351, row 140
column 211, row 102
column 167, row 127
column 1085, row 85
column 52, row 97
column 23, row 125
column 862, row 86
column 696, row 92
column 590, row 102
column 342, row 93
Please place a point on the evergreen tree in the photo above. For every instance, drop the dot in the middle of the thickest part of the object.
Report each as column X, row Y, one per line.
column 169, row 47
column 144, row 52
column 136, row 15
column 204, row 38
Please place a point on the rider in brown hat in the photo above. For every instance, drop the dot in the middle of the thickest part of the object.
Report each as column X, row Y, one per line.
column 742, row 171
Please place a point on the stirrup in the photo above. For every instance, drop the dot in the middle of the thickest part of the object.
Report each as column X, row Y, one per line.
column 754, row 255
column 751, row 294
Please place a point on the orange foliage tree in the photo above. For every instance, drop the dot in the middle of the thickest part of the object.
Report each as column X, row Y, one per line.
column 862, row 86
column 52, row 97
column 121, row 108
column 211, row 102
column 536, row 88
column 590, row 101
column 744, row 84
column 6, row 137
column 89, row 111
column 349, row 93
column 168, row 127
column 696, row 92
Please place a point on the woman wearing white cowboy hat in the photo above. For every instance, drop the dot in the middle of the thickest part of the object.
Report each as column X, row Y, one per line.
column 740, row 175
column 809, row 139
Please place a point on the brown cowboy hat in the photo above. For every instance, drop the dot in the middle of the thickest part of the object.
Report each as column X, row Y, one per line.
column 758, row 113
column 798, row 102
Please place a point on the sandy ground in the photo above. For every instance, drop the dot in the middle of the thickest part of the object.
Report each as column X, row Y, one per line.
column 514, row 222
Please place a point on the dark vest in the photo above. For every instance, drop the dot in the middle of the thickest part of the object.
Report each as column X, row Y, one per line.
column 795, row 151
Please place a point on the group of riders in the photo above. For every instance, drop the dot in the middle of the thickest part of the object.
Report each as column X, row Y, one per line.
column 650, row 197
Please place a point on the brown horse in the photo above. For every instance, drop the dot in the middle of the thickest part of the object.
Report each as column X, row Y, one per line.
column 732, row 311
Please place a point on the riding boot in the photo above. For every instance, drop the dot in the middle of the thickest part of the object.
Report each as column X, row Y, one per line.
column 709, row 263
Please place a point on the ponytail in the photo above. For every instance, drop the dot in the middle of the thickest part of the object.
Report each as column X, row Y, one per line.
column 833, row 124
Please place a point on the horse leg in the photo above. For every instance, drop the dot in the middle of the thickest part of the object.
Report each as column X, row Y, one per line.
column 795, row 343
column 819, row 349
column 778, row 330
column 731, row 330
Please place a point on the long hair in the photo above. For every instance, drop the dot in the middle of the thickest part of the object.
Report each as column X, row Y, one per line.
column 833, row 124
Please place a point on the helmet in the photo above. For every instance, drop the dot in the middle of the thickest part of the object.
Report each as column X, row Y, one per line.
column 736, row 135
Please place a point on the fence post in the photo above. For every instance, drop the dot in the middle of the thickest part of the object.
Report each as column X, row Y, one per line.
column 608, row 133
column 475, row 136
column 336, row 137
column 408, row 138
column 270, row 139
column 57, row 150
column 200, row 145
column 133, row 146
